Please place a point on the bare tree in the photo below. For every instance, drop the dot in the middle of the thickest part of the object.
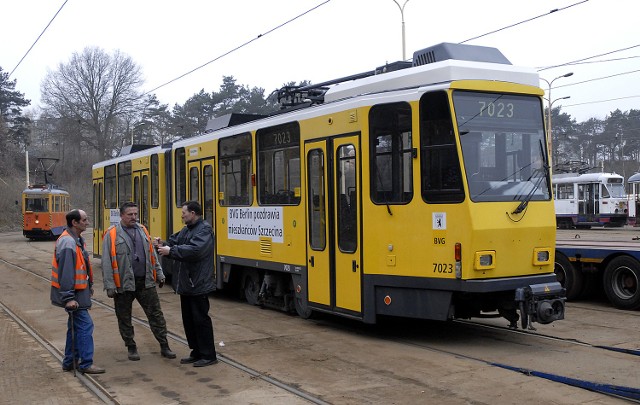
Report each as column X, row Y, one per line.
column 98, row 91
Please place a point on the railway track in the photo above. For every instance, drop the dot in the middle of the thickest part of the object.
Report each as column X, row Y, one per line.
column 450, row 341
column 627, row 393
column 103, row 393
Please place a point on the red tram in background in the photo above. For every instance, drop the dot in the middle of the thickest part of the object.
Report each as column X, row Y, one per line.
column 43, row 211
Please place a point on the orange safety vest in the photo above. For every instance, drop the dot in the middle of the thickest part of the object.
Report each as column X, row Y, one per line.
column 114, row 261
column 83, row 271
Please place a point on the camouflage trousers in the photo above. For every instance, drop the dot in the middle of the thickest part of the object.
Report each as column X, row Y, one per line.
column 150, row 303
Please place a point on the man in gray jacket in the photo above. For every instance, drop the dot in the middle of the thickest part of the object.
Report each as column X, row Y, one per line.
column 130, row 269
column 72, row 288
column 193, row 248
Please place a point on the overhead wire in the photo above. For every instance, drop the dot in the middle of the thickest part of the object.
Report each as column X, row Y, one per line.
column 576, row 62
column 589, row 57
column 603, row 61
column 524, row 21
column 39, row 36
column 597, row 78
column 237, row 47
column 602, row 101
column 584, row 60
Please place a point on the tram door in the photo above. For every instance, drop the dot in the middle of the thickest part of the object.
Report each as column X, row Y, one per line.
column 333, row 239
column 141, row 195
column 588, row 200
column 202, row 188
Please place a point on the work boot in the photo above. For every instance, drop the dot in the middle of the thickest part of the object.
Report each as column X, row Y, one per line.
column 92, row 370
column 166, row 352
column 133, row 353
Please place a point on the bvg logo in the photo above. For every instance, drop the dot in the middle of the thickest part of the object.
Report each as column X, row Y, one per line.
column 439, row 241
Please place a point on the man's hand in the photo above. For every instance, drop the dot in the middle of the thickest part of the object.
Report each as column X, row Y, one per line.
column 71, row 305
column 164, row 250
column 161, row 282
column 111, row 293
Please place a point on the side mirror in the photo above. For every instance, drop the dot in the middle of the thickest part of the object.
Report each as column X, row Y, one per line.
column 17, row 202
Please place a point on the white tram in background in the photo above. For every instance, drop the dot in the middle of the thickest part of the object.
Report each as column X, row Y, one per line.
column 590, row 199
column 633, row 193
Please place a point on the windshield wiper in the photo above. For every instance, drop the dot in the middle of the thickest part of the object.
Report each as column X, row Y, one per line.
column 544, row 170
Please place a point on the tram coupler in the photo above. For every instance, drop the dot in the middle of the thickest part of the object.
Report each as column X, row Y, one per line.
column 542, row 303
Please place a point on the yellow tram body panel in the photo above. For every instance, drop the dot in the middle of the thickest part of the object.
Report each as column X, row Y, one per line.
column 158, row 221
column 99, row 215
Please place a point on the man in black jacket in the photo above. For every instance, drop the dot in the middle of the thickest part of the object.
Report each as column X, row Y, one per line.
column 192, row 248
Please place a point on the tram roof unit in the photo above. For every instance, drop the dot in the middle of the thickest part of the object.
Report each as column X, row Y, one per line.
column 564, row 178
column 434, row 67
column 132, row 156
column 38, row 189
column 441, row 63
column 634, row 178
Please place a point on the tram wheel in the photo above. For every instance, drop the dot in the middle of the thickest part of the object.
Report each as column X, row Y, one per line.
column 568, row 276
column 301, row 304
column 621, row 279
column 252, row 287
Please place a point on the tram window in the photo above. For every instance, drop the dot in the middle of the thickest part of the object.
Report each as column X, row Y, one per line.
column 144, row 203
column 96, row 204
column 110, row 189
column 194, row 184
column 235, row 170
column 136, row 190
column 181, row 177
column 124, row 182
column 100, row 221
column 207, row 193
column 56, row 204
column 565, row 192
column 279, row 165
column 439, row 163
column 346, row 206
column 37, row 204
column 317, row 209
column 391, row 153
column 155, row 182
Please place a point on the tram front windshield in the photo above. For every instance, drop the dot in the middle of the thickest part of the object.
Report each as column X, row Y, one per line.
column 615, row 188
column 503, row 146
column 37, row 204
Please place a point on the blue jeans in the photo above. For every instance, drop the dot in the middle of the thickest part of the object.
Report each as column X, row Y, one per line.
column 83, row 343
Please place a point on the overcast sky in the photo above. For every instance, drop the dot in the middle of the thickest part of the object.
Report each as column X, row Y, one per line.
column 338, row 38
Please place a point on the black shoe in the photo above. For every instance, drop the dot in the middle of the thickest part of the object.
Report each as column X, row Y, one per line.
column 189, row 360
column 166, row 352
column 205, row 362
column 69, row 367
column 133, row 353
column 92, row 370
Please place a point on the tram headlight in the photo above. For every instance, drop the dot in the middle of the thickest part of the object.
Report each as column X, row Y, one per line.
column 541, row 257
column 485, row 260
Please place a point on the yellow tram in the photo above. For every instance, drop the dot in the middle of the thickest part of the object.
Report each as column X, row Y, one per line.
column 418, row 190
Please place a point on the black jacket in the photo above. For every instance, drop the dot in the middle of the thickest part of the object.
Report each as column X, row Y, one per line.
column 192, row 248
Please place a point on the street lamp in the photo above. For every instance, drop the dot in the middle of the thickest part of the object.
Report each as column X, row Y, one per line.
column 549, row 126
column 402, row 15
column 550, row 104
